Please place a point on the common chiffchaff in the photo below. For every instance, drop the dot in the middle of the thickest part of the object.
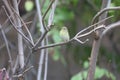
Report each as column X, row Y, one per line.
column 64, row 34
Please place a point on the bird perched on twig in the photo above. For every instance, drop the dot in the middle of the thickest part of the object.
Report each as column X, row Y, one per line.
column 64, row 34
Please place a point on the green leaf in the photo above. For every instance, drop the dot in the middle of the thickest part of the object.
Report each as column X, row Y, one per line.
column 86, row 64
column 80, row 76
column 29, row 5
column 110, row 75
column 99, row 73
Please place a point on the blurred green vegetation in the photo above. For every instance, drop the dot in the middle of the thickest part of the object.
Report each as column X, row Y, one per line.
column 72, row 12
column 99, row 73
column 76, row 15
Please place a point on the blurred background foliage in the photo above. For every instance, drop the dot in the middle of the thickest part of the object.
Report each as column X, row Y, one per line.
column 77, row 15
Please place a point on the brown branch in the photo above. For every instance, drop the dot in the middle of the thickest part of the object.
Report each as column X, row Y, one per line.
column 97, row 41
column 48, row 9
column 43, row 18
column 25, row 27
column 53, row 45
column 7, row 5
column 40, row 39
column 110, row 27
column 46, row 29
column 20, row 38
column 63, row 43
column 102, row 11
column 22, row 74
column 95, row 24
column 78, row 35
column 15, row 27
column 8, row 49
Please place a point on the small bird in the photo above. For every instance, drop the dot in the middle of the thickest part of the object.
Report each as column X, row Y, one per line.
column 64, row 34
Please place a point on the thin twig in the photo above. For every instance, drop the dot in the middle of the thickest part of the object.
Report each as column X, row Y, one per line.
column 81, row 42
column 8, row 49
column 40, row 39
column 6, row 21
column 109, row 27
column 16, row 64
column 42, row 43
column 32, row 27
column 27, row 60
column 46, row 61
column 41, row 60
column 51, row 15
column 47, row 9
column 102, row 11
column 14, row 26
column 27, row 69
column 21, row 75
column 97, row 28
column 52, row 45
column 97, row 42
column 43, row 19
column 78, row 35
column 47, row 29
column 8, row 8
column 20, row 38
column 74, row 38
column 93, row 25
column 25, row 27
column 40, row 15
column 49, row 20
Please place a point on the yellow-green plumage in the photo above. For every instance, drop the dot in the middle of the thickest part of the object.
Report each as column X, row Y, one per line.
column 64, row 34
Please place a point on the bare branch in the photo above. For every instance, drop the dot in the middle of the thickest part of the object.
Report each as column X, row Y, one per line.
column 78, row 35
column 16, row 64
column 51, row 16
column 8, row 49
column 46, row 62
column 97, row 28
column 25, row 27
column 47, row 28
column 49, row 23
column 43, row 29
column 40, row 16
column 81, row 42
column 20, row 38
column 8, row 8
column 97, row 41
column 102, row 11
column 47, row 9
column 21, row 75
column 52, row 45
column 110, row 27
column 15, row 27
column 92, row 25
